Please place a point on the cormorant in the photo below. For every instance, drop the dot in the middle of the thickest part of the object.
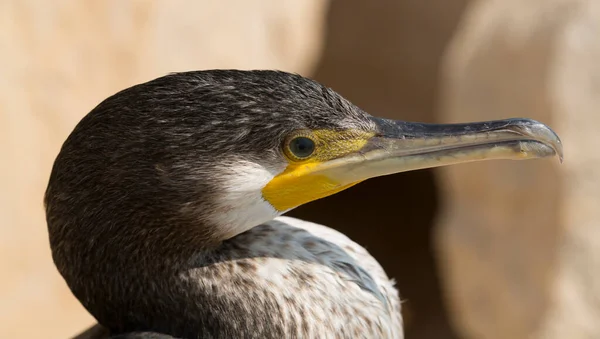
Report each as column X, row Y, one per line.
column 164, row 205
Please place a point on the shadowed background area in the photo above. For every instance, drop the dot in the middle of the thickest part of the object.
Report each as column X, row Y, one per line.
column 386, row 60
column 487, row 250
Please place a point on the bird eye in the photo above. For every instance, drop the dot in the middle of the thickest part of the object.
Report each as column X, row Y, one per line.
column 301, row 147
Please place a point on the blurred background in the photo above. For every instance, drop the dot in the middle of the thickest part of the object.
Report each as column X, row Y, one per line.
column 487, row 250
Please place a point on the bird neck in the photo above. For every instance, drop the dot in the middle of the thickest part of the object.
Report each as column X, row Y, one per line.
column 124, row 284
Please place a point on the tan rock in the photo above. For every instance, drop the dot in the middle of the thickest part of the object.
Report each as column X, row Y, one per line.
column 520, row 241
column 58, row 60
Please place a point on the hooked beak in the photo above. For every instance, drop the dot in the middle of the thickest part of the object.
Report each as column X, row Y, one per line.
column 405, row 146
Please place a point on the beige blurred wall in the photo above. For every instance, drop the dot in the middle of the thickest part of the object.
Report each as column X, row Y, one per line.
column 519, row 243
column 516, row 242
column 60, row 58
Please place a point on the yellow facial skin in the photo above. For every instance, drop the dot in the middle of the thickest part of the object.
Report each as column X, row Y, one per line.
column 301, row 181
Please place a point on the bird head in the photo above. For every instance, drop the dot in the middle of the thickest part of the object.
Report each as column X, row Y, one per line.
column 222, row 151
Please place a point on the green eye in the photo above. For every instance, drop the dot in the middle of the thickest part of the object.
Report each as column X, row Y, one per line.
column 301, row 147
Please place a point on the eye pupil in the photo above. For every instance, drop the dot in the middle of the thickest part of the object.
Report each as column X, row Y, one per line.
column 302, row 147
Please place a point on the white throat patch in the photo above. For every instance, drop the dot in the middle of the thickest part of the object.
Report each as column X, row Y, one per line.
column 240, row 204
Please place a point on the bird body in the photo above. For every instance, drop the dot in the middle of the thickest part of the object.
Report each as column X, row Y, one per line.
column 165, row 204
